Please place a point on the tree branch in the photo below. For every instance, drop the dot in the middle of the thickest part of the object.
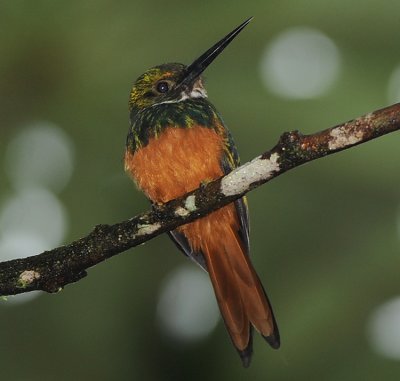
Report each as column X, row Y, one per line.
column 53, row 269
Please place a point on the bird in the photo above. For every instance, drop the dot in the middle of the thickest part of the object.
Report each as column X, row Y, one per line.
column 177, row 141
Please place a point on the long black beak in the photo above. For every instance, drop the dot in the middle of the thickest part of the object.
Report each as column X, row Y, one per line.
column 200, row 64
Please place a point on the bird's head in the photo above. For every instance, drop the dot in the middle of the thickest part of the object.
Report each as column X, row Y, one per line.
column 164, row 84
column 175, row 82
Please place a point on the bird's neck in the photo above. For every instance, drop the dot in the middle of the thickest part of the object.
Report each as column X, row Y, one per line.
column 152, row 121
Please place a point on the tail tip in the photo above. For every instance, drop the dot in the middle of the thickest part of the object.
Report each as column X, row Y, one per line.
column 245, row 356
column 273, row 340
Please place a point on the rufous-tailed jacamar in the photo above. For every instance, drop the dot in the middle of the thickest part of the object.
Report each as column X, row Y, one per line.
column 177, row 141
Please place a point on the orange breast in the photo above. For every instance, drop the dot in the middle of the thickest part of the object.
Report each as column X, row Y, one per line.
column 177, row 162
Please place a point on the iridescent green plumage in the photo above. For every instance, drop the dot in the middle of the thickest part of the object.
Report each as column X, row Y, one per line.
column 152, row 112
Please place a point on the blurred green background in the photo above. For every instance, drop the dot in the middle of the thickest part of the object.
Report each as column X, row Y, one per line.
column 325, row 237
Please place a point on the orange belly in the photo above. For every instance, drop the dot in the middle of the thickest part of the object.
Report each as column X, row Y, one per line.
column 177, row 162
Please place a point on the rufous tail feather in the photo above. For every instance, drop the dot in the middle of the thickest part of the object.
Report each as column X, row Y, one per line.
column 241, row 297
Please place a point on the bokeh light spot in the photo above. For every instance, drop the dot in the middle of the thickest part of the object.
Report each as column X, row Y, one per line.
column 33, row 212
column 40, row 155
column 187, row 309
column 300, row 63
column 394, row 86
column 384, row 329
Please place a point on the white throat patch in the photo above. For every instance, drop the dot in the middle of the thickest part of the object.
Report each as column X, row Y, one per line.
column 197, row 92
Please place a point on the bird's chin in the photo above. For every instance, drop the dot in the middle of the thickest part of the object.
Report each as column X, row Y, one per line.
column 198, row 91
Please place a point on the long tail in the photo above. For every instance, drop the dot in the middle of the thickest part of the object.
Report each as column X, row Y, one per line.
column 241, row 297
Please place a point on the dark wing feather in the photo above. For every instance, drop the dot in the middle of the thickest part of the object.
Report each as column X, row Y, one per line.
column 229, row 162
column 183, row 245
column 243, row 213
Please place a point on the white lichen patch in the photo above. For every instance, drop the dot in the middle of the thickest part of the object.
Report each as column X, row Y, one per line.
column 190, row 203
column 190, row 206
column 259, row 169
column 27, row 277
column 182, row 212
column 146, row 229
column 342, row 137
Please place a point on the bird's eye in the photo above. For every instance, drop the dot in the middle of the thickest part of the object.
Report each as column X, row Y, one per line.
column 162, row 87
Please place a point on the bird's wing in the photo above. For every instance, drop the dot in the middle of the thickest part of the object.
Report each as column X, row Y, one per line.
column 230, row 160
column 183, row 245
